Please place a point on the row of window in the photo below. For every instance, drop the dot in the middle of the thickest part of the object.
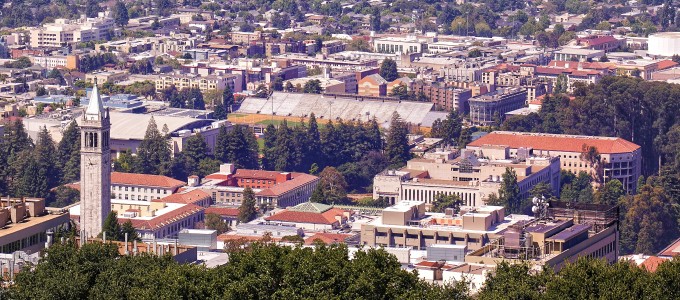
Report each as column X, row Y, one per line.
column 258, row 181
column 132, row 197
column 142, row 190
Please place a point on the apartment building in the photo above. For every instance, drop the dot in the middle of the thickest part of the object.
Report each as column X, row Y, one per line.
column 443, row 95
column 491, row 107
column 463, row 173
column 204, row 83
column 620, row 159
column 64, row 32
column 245, row 37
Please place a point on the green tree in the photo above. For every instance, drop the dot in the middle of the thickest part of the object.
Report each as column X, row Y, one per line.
column 475, row 53
column 214, row 222
column 124, row 163
column 397, row 148
column 509, row 193
column 195, row 149
column 449, row 129
column 400, row 91
column 131, row 232
column 312, row 87
column 333, row 187
column 388, row 70
column 92, row 8
column 62, row 196
column 277, row 84
column 111, row 227
column 247, row 212
column 120, row 13
column 68, row 151
column 153, row 152
column 442, row 202
column 375, row 20
column 609, row 193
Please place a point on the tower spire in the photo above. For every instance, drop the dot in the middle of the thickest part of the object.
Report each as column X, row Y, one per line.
column 96, row 107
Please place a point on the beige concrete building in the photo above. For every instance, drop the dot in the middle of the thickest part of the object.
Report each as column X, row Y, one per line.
column 107, row 76
column 204, row 83
column 25, row 224
column 618, row 158
column 407, row 224
column 472, row 178
column 51, row 62
column 245, row 37
column 65, row 32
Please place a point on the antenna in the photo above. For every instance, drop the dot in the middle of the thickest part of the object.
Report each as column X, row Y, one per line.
column 540, row 207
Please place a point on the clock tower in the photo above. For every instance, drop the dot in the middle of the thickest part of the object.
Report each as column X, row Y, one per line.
column 95, row 166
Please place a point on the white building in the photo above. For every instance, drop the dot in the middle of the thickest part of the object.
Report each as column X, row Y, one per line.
column 64, row 32
column 399, row 45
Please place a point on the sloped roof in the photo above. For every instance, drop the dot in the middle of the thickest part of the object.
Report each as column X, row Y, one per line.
column 556, row 142
column 311, row 207
column 164, row 219
column 327, row 217
column 190, row 197
column 327, row 238
column 297, row 180
column 375, row 78
column 651, row 263
column 222, row 211
column 145, row 180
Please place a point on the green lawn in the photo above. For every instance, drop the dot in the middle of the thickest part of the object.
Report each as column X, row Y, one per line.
column 260, row 144
column 278, row 122
column 235, row 116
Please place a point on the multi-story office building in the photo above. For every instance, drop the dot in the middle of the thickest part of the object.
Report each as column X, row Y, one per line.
column 485, row 235
column 64, row 32
column 489, row 108
column 51, row 62
column 470, row 177
column 619, row 158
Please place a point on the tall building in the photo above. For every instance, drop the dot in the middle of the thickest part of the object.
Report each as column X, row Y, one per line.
column 95, row 166
column 618, row 158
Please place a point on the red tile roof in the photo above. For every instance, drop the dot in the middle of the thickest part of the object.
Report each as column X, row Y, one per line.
column 555, row 142
column 185, row 198
column 164, row 219
column 666, row 64
column 651, row 263
column 297, row 180
column 327, row 217
column 145, row 180
column 222, row 211
column 327, row 238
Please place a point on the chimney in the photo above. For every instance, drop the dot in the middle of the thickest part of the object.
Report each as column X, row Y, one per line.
column 18, row 212
column 227, row 169
column 193, row 181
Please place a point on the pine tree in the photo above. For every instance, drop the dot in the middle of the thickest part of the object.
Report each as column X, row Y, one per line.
column 312, row 153
column 247, row 211
column 397, row 149
column 318, row 195
column 330, row 145
column 153, row 152
column 221, row 141
column 195, row 149
column 120, row 13
column 47, row 162
column 111, row 227
column 68, row 152
column 92, row 8
column 270, row 137
column 131, row 232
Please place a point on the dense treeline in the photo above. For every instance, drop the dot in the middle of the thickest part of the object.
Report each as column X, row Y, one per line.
column 584, row 279
column 354, row 148
column 267, row 271
column 643, row 112
column 261, row 271
column 32, row 169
